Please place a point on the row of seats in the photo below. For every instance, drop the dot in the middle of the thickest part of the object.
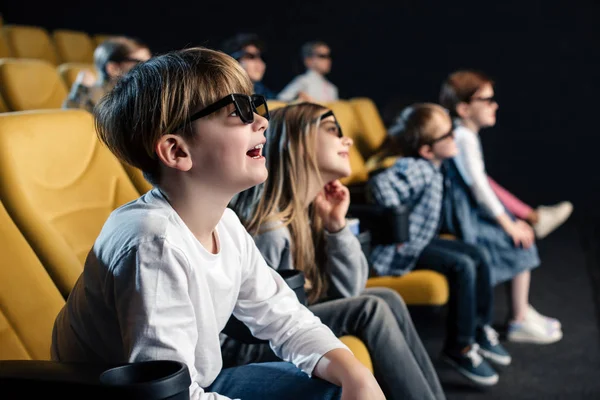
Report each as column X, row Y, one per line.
column 36, row 84
column 60, row 46
column 57, row 197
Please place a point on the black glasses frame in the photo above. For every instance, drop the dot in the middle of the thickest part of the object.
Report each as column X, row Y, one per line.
column 245, row 111
column 331, row 114
column 443, row 137
column 488, row 100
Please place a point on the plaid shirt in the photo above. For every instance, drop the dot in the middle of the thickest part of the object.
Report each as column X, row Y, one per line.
column 419, row 184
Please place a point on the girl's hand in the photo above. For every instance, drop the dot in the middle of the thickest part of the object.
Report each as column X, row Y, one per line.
column 332, row 206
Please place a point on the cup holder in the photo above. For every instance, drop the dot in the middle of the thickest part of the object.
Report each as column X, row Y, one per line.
column 150, row 380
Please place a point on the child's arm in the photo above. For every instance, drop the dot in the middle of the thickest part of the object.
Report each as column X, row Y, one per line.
column 272, row 312
column 470, row 159
column 346, row 263
column 151, row 297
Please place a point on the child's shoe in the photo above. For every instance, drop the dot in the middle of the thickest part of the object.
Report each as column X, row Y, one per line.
column 528, row 331
column 533, row 315
column 490, row 348
column 471, row 365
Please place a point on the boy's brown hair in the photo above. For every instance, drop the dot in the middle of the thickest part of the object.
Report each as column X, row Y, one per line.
column 158, row 96
column 413, row 129
column 460, row 87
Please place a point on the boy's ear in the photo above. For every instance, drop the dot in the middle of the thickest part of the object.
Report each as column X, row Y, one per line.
column 426, row 151
column 462, row 109
column 174, row 152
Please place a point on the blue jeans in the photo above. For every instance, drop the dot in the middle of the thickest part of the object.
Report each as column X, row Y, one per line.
column 467, row 270
column 272, row 380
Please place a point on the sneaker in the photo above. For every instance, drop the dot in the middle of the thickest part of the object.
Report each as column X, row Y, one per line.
column 533, row 315
column 472, row 366
column 528, row 331
column 551, row 217
column 490, row 348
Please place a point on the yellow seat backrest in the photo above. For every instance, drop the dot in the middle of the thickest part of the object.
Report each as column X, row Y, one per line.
column 74, row 46
column 346, row 117
column 3, row 107
column 372, row 130
column 29, row 300
column 30, row 42
column 4, row 47
column 29, row 84
column 59, row 184
column 68, row 72
column 275, row 104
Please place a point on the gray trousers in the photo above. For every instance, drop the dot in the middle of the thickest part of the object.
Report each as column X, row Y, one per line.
column 379, row 318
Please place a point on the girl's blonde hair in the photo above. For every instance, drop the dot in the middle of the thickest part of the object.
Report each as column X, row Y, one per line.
column 290, row 152
column 158, row 96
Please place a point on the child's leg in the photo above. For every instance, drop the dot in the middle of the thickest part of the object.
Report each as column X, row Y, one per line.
column 520, row 295
column 395, row 366
column 512, row 203
column 415, row 345
column 271, row 381
column 469, row 307
column 469, row 296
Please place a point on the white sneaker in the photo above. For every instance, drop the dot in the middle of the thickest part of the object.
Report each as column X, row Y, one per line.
column 551, row 217
column 533, row 315
column 531, row 332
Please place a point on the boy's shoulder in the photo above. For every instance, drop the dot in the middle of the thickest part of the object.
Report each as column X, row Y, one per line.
column 149, row 217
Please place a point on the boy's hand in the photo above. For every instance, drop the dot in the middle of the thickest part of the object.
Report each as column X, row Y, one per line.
column 86, row 78
column 332, row 206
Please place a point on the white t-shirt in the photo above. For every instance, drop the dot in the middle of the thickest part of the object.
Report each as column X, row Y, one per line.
column 150, row 290
column 471, row 166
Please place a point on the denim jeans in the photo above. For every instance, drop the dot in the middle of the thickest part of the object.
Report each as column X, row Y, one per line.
column 272, row 381
column 380, row 319
column 467, row 270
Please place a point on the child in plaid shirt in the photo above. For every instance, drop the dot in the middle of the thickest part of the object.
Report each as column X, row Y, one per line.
column 423, row 135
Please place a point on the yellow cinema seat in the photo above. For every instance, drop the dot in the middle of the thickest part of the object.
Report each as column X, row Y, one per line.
column 30, row 42
column 29, row 300
column 372, row 130
column 59, row 184
column 73, row 46
column 29, row 84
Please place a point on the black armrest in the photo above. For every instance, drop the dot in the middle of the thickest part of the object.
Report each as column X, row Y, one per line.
column 149, row 380
column 387, row 225
column 236, row 329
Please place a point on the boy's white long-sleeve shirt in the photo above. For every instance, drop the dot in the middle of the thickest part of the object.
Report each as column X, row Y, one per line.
column 150, row 290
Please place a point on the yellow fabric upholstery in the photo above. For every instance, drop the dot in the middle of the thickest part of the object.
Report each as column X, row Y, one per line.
column 68, row 72
column 3, row 107
column 30, row 42
column 346, row 117
column 29, row 300
column 4, row 47
column 359, row 349
column 372, row 130
column 376, row 162
column 31, row 85
column 73, row 46
column 137, row 178
column 275, row 104
column 59, row 184
column 421, row 287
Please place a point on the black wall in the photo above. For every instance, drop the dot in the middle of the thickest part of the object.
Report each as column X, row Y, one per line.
column 544, row 56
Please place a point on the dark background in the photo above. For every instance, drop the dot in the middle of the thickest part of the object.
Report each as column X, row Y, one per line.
column 544, row 56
